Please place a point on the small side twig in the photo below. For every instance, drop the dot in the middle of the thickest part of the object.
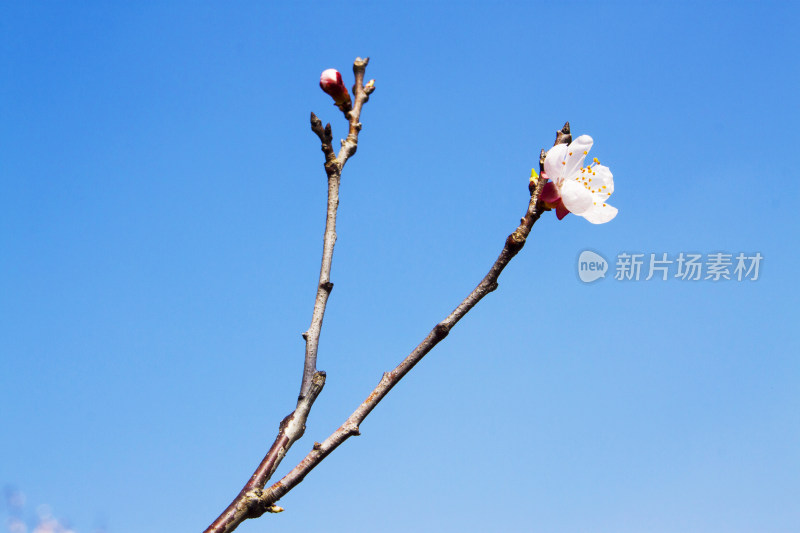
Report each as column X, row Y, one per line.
column 249, row 502
column 361, row 93
column 489, row 283
column 333, row 167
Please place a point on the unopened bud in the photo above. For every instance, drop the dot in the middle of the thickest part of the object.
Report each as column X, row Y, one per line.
column 331, row 82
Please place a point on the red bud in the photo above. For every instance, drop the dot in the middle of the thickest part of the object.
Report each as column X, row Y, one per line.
column 331, row 82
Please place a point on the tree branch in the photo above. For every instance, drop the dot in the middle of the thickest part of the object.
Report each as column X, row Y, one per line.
column 361, row 94
column 333, row 167
column 489, row 283
column 248, row 503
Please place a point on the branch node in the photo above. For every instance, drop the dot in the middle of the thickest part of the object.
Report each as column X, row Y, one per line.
column 317, row 382
column 516, row 240
column 441, row 330
column 563, row 136
column 304, row 335
column 331, row 165
column 317, row 446
column 326, row 286
column 285, row 422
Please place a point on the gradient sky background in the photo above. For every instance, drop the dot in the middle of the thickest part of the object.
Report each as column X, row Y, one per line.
column 161, row 218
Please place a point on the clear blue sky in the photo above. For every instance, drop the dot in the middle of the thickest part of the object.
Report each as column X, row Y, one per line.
column 161, row 213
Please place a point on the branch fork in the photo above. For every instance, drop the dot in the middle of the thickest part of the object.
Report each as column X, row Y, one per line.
column 254, row 499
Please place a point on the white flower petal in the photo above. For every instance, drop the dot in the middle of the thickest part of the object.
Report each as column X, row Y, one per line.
column 600, row 197
column 602, row 180
column 598, row 180
column 576, row 152
column 600, row 213
column 576, row 197
column 553, row 163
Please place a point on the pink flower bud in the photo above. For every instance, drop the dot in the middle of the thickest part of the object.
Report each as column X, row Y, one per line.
column 331, row 82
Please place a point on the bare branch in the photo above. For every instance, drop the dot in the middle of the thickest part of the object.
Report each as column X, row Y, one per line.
column 249, row 502
column 361, row 94
column 326, row 138
column 253, row 500
column 489, row 283
column 333, row 167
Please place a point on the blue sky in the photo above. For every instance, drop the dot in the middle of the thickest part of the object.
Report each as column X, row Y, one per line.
column 161, row 221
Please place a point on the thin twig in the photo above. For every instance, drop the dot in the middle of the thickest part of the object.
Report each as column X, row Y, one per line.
column 333, row 167
column 513, row 245
column 247, row 503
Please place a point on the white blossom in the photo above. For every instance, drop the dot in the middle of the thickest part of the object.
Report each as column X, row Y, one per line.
column 575, row 188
